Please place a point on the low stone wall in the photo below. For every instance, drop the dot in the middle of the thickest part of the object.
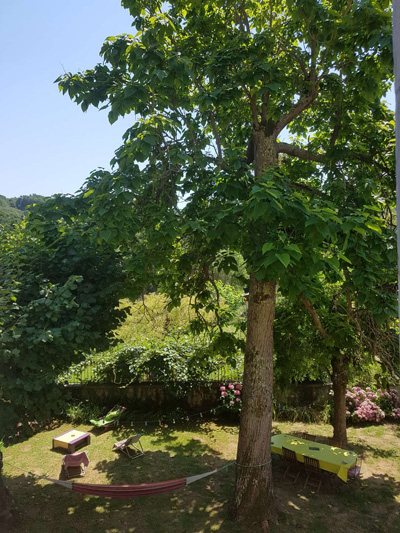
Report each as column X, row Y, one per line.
column 202, row 396
column 303, row 394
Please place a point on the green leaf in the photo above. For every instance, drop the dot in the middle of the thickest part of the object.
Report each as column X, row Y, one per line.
column 271, row 258
column 151, row 139
column 267, row 247
column 112, row 117
column 274, row 86
column 161, row 74
column 374, row 227
column 359, row 230
column 284, row 259
column 344, row 258
column 293, row 247
column 334, row 262
column 259, row 209
column 105, row 234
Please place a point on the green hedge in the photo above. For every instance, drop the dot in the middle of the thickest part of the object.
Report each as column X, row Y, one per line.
column 182, row 359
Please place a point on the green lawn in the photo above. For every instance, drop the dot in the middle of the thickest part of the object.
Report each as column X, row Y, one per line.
column 189, row 449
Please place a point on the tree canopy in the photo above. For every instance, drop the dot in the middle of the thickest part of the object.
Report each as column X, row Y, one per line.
column 200, row 76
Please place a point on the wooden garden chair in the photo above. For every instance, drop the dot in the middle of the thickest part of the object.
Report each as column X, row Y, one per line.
column 292, row 464
column 313, row 472
column 333, row 442
column 131, row 447
column 308, row 436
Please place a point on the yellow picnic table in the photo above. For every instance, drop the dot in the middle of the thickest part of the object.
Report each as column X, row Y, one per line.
column 331, row 459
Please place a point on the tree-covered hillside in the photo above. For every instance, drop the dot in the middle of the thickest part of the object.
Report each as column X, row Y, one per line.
column 12, row 209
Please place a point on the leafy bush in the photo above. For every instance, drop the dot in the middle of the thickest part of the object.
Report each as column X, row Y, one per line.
column 307, row 414
column 81, row 412
column 174, row 360
column 16, row 428
column 150, row 318
column 153, row 317
column 389, row 402
column 59, row 292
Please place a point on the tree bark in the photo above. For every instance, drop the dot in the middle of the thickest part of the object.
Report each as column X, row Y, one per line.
column 254, row 492
column 339, row 380
column 253, row 501
column 5, row 499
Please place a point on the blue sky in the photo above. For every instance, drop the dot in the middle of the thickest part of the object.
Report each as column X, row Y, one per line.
column 47, row 144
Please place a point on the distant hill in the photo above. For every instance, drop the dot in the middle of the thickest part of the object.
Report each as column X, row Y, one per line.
column 12, row 210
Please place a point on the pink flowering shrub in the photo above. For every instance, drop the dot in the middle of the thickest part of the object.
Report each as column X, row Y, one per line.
column 365, row 405
column 389, row 402
column 230, row 397
column 396, row 413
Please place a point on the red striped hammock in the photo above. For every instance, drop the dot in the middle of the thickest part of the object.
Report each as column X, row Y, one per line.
column 129, row 491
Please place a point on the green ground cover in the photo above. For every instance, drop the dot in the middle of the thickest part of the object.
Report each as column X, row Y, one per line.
column 190, row 448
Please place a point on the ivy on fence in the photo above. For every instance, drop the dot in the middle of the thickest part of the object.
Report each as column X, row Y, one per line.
column 172, row 360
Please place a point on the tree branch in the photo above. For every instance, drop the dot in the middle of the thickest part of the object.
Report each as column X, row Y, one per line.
column 303, row 103
column 245, row 19
column 348, row 7
column 295, row 151
column 305, row 188
column 371, row 161
column 264, row 108
column 216, row 135
column 301, row 153
column 212, row 123
column 313, row 70
column 314, row 316
column 335, row 133
column 299, row 60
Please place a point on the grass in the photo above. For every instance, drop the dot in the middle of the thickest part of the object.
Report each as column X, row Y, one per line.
column 189, row 449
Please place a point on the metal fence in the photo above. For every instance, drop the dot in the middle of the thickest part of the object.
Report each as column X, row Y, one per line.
column 89, row 374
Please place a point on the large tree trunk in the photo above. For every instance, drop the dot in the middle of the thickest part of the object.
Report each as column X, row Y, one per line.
column 253, row 501
column 339, row 380
column 254, row 493
column 5, row 499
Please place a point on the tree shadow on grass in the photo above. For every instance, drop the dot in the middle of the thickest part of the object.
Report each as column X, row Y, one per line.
column 200, row 507
column 174, row 460
column 26, row 437
column 163, row 433
column 365, row 449
column 196, row 425
column 369, row 505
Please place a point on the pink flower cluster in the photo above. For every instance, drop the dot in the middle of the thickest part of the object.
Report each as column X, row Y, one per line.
column 369, row 412
column 230, row 396
column 396, row 413
column 369, row 406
